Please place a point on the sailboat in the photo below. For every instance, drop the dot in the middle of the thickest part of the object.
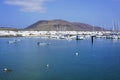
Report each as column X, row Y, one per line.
column 113, row 34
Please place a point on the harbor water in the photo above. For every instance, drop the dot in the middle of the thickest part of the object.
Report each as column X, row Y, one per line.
column 60, row 60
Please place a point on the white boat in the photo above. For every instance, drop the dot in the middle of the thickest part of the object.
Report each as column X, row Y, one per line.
column 80, row 37
column 11, row 42
column 7, row 70
column 18, row 40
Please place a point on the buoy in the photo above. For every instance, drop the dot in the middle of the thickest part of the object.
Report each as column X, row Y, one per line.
column 76, row 53
column 47, row 65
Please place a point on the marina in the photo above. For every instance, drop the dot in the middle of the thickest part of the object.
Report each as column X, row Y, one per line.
column 60, row 40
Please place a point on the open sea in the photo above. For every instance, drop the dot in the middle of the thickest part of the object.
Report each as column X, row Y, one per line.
column 58, row 61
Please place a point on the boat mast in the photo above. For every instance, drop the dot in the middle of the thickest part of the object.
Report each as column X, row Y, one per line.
column 93, row 30
column 113, row 26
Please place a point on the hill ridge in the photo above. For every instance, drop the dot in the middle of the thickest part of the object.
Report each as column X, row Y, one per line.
column 61, row 25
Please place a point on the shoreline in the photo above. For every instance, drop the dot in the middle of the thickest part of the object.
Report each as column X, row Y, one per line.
column 38, row 33
column 61, row 34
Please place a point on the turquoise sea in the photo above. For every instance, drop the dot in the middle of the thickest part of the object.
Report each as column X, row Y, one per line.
column 58, row 61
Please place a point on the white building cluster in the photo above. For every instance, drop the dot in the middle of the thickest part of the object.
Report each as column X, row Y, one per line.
column 62, row 34
column 45, row 33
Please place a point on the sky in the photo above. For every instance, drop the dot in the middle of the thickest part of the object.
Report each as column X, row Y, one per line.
column 22, row 13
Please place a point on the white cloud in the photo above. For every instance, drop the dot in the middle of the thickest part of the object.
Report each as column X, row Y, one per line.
column 28, row 5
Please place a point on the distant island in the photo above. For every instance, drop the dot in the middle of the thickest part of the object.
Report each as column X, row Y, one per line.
column 57, row 25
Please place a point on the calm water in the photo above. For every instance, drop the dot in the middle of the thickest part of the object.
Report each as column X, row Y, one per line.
column 100, row 61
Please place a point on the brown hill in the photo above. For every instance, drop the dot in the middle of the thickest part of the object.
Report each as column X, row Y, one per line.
column 61, row 25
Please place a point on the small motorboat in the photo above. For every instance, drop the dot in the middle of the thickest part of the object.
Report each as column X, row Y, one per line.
column 11, row 42
column 80, row 37
column 7, row 70
column 42, row 43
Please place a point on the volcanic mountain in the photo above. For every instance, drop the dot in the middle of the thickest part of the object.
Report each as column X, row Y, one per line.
column 61, row 25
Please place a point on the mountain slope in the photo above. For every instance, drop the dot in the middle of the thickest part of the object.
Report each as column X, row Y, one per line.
column 61, row 25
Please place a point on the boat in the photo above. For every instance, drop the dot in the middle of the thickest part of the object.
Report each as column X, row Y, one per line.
column 114, row 34
column 7, row 70
column 12, row 42
column 18, row 40
column 79, row 37
column 42, row 43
